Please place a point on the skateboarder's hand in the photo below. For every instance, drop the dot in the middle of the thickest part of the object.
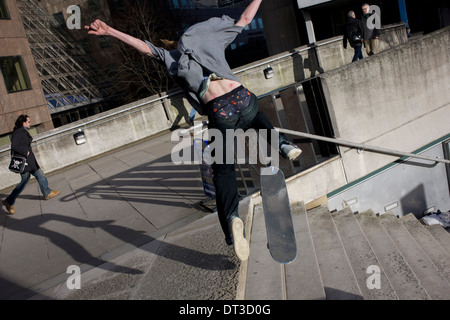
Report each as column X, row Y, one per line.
column 98, row 28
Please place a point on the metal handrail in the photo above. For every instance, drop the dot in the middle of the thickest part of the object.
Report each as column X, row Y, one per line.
column 361, row 146
column 345, row 143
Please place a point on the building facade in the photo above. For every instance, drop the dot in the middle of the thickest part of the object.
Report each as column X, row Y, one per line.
column 20, row 86
column 73, row 67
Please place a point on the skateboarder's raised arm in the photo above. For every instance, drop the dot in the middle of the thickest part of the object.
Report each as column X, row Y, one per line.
column 100, row 28
column 249, row 13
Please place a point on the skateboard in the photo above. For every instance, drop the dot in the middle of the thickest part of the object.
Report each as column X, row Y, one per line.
column 277, row 215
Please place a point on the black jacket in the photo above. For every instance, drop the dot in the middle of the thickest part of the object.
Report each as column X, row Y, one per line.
column 21, row 144
column 368, row 33
column 353, row 27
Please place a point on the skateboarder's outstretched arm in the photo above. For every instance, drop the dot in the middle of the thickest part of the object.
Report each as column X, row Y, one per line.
column 100, row 28
column 249, row 13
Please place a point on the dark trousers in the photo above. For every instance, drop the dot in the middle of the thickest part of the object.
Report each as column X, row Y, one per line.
column 225, row 183
column 358, row 53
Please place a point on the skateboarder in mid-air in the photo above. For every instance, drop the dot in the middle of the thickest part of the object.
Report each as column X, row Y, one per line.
column 199, row 66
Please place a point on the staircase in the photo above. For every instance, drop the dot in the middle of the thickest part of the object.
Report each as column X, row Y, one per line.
column 346, row 256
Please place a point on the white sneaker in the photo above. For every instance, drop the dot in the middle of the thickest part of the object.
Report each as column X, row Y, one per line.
column 290, row 151
column 241, row 246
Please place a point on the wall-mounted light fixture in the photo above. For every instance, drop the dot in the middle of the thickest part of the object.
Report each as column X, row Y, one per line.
column 268, row 72
column 79, row 137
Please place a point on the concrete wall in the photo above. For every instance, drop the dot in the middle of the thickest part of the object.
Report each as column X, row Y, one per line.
column 56, row 149
column 414, row 186
column 331, row 52
column 107, row 131
column 305, row 62
column 398, row 99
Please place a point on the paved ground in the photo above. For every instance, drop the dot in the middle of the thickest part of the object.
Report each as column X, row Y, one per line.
column 130, row 220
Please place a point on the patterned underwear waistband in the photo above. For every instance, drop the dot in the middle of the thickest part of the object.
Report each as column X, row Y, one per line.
column 229, row 104
column 211, row 102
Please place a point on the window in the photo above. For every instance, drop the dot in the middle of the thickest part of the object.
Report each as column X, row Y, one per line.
column 95, row 8
column 260, row 23
column 117, row 5
column 15, row 74
column 33, row 131
column 85, row 44
column 104, row 41
column 4, row 14
column 5, row 139
column 224, row 3
column 187, row 4
column 59, row 18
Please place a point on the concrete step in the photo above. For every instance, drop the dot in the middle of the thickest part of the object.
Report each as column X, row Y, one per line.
column 432, row 280
column 392, row 262
column 339, row 254
column 303, row 277
column 362, row 258
column 441, row 235
column 434, row 250
column 265, row 277
column 337, row 275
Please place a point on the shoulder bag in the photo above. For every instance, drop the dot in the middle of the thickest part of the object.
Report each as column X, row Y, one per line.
column 17, row 163
column 356, row 38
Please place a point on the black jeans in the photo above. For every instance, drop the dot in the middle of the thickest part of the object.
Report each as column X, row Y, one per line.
column 225, row 183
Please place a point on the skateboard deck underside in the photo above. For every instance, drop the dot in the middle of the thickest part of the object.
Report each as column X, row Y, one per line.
column 277, row 214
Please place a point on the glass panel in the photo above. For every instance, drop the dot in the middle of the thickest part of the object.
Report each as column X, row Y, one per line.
column 5, row 139
column 95, row 7
column 15, row 74
column 4, row 14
